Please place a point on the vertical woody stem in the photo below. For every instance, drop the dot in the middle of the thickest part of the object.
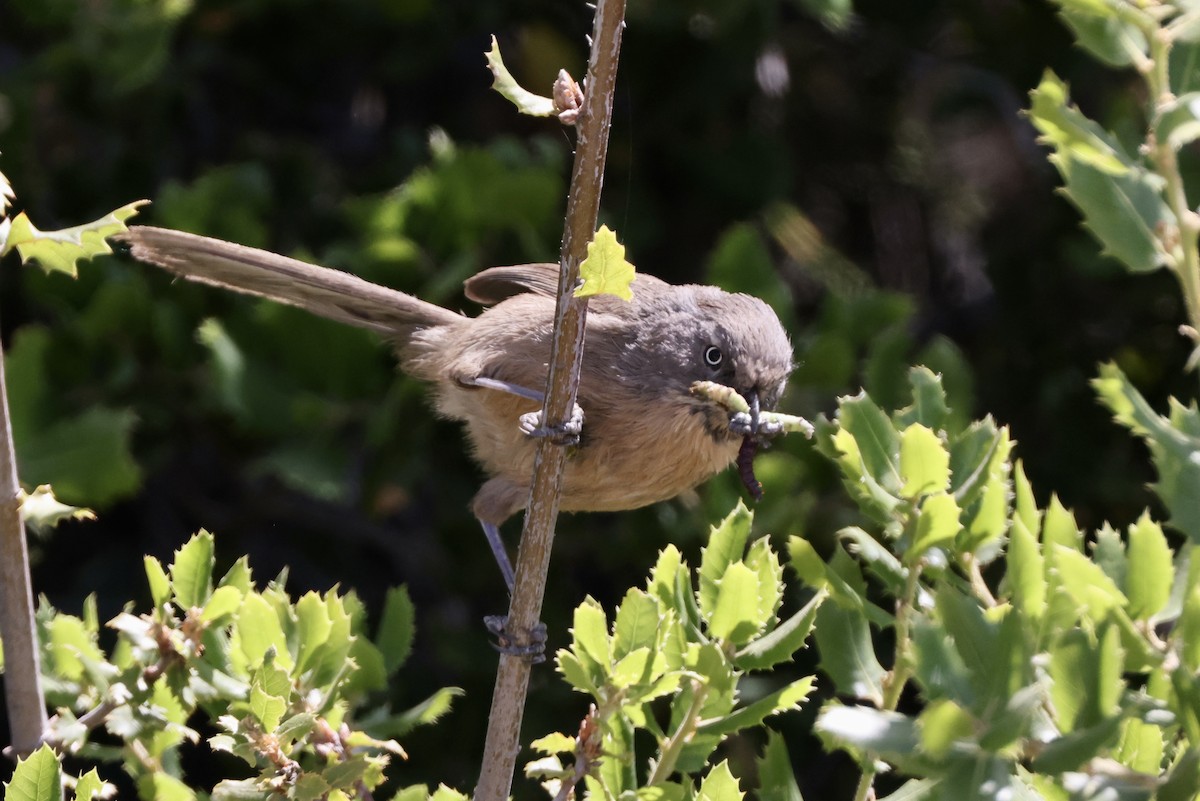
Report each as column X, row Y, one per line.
column 533, row 558
column 22, row 668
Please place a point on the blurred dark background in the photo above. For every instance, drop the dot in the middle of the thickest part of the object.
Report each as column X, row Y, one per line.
column 869, row 174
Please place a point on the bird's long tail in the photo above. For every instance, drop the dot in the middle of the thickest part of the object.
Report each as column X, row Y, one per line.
column 320, row 290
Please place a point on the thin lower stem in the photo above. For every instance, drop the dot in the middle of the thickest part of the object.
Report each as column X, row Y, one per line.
column 682, row 736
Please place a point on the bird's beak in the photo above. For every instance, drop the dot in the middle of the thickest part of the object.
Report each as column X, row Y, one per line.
column 752, row 399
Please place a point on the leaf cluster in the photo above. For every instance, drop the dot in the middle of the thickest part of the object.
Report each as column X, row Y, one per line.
column 669, row 664
column 283, row 680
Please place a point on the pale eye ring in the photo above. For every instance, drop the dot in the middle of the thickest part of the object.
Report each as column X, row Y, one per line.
column 713, row 356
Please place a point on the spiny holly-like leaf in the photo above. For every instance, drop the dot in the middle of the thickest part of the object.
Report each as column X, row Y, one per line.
column 605, row 270
column 36, row 778
column 396, row 629
column 783, row 699
column 504, row 83
column 42, row 510
column 1106, row 30
column 776, row 779
column 1119, row 199
column 58, row 251
column 719, row 785
column 90, row 785
column 191, row 572
column 1150, row 575
column 924, row 462
column 1172, row 445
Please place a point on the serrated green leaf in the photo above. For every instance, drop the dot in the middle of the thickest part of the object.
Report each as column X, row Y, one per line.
column 346, row 774
column 636, row 624
column 1172, row 446
column 38, row 777
column 1121, row 201
column 663, row 577
column 848, row 654
column 762, row 559
column 639, row 666
column 1072, row 750
column 164, row 787
column 726, row 545
column 444, row 793
column 239, row 790
column 239, row 576
column 312, row 628
column 397, row 628
column 1086, row 582
column 156, row 577
column 876, row 438
column 71, row 647
column 719, row 785
column 753, row 714
column 941, row 724
column 605, row 270
column 1104, row 33
column 1059, row 527
column 1140, row 747
column 928, row 401
column 1024, row 505
column 589, row 636
column 42, row 511
column 267, row 708
column 1150, row 573
column 1070, row 133
column 504, row 83
column 776, row 779
column 258, row 631
column 937, row 524
column 223, row 601
column 89, row 785
column 554, row 743
column 735, row 617
column 58, row 251
column 780, row 643
column 191, row 572
column 574, row 671
column 1178, row 121
column 924, row 462
column 1026, row 576
column 1183, row 783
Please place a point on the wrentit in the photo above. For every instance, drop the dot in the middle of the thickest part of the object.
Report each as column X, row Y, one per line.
column 647, row 438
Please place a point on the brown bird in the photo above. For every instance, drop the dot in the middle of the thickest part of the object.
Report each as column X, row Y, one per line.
column 647, row 438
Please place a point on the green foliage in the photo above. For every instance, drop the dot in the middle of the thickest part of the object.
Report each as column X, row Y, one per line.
column 281, row 680
column 605, row 270
column 677, row 652
column 1064, row 669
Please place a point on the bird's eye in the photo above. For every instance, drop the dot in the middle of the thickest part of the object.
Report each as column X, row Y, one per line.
column 713, row 356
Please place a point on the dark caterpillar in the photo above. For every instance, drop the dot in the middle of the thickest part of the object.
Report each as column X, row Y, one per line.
column 745, row 466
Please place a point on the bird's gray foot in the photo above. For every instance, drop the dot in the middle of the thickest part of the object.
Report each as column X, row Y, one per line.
column 534, row 651
column 565, row 434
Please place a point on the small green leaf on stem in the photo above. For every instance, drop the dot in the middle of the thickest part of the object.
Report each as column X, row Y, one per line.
column 43, row 511
column 36, row 778
column 58, row 251
column 605, row 270
column 504, row 83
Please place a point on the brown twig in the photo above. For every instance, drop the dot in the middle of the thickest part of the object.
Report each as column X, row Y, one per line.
column 22, row 664
column 533, row 557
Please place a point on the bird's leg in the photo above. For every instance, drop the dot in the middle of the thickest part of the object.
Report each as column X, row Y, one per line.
column 531, row 422
column 535, row 650
column 492, row 532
